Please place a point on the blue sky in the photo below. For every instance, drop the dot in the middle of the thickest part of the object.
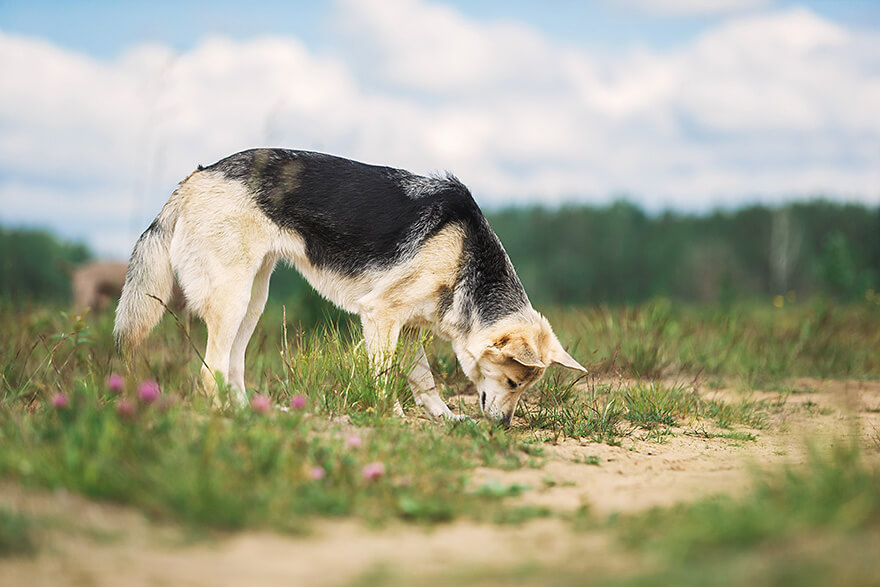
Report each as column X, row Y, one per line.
column 681, row 104
column 106, row 28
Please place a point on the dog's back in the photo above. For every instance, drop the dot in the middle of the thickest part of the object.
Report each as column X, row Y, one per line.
column 352, row 216
column 355, row 217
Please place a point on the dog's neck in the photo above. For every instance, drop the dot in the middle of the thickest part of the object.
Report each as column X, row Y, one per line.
column 471, row 344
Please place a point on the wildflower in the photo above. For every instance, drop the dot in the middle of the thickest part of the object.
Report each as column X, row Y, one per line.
column 148, row 391
column 373, row 471
column 317, row 473
column 353, row 441
column 778, row 301
column 125, row 408
column 297, row 402
column 60, row 401
column 261, row 403
column 115, row 382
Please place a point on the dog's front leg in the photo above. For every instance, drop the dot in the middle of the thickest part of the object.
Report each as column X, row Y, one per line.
column 421, row 381
column 380, row 337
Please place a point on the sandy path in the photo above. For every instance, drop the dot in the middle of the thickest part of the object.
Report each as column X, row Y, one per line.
column 100, row 544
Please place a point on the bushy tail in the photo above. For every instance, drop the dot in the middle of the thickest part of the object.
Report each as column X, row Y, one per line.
column 149, row 274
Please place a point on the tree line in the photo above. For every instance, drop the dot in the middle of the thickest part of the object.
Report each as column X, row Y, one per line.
column 580, row 254
column 617, row 253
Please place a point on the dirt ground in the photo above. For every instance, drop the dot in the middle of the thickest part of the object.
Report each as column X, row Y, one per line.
column 98, row 544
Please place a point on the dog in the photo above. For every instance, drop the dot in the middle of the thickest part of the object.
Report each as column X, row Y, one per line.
column 96, row 284
column 393, row 247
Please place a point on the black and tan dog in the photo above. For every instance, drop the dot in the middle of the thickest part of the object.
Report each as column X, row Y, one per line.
column 393, row 247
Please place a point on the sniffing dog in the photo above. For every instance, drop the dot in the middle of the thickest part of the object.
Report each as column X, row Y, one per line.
column 392, row 247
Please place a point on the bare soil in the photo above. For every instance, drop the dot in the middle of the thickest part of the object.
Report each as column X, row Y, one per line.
column 89, row 543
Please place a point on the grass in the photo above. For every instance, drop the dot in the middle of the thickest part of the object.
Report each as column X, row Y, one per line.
column 178, row 459
column 608, row 411
column 249, row 469
column 754, row 342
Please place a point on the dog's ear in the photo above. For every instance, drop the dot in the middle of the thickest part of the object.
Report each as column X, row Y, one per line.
column 559, row 356
column 518, row 349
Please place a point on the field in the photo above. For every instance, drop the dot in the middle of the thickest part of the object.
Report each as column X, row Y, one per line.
column 719, row 444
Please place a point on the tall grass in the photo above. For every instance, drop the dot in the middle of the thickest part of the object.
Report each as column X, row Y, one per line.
column 756, row 341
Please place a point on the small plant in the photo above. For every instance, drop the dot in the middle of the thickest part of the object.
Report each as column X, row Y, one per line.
column 746, row 411
column 563, row 410
column 654, row 405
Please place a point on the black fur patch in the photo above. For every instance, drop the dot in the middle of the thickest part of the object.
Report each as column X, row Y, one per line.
column 495, row 289
column 445, row 297
column 355, row 217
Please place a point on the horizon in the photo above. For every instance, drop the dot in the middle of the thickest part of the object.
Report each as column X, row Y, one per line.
column 554, row 207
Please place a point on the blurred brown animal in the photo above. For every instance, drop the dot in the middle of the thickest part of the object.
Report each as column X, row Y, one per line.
column 99, row 283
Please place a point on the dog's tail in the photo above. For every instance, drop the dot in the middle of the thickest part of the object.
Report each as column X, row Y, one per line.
column 149, row 277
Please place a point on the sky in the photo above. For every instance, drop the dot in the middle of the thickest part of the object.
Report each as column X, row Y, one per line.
column 673, row 104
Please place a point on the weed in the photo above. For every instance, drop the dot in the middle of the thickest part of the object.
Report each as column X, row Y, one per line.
column 738, row 435
column 745, row 411
column 656, row 405
column 562, row 409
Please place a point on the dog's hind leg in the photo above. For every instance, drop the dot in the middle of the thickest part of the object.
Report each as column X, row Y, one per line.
column 224, row 314
column 259, row 294
column 421, row 381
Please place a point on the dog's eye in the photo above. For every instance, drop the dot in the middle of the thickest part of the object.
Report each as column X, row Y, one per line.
column 511, row 383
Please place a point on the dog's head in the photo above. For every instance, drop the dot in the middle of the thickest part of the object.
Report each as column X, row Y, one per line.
column 508, row 358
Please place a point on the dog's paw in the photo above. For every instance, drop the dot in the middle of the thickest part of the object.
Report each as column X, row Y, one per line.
column 459, row 418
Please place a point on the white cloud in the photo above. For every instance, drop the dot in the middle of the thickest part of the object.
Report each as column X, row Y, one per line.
column 762, row 106
column 692, row 7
